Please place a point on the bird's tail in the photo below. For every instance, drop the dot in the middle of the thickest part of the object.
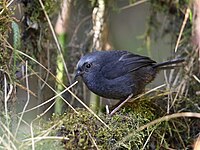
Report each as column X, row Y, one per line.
column 168, row 64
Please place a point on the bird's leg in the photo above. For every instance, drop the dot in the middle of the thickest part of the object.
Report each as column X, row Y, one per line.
column 107, row 110
column 120, row 105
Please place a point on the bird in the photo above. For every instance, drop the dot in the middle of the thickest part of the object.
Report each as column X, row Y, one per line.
column 118, row 74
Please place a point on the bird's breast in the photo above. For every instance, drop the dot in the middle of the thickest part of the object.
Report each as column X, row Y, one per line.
column 118, row 88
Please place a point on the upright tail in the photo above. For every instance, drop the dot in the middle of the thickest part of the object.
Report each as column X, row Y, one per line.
column 168, row 64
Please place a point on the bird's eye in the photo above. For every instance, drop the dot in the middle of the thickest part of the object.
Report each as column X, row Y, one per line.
column 88, row 65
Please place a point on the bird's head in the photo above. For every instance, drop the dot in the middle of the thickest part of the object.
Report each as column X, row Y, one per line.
column 88, row 66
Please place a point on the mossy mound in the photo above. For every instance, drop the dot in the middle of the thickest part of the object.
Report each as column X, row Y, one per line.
column 85, row 131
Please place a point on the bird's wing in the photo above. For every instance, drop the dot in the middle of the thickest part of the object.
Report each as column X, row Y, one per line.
column 124, row 64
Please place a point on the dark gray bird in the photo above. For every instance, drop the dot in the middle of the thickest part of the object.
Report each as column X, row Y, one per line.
column 117, row 74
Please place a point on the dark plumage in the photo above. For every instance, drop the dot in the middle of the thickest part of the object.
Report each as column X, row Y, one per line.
column 117, row 74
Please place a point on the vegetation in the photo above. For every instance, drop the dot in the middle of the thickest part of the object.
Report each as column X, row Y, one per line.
column 35, row 72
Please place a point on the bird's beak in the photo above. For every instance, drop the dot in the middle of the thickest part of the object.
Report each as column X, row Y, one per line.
column 78, row 73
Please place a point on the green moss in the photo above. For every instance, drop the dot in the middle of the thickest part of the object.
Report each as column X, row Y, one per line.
column 34, row 9
column 83, row 128
column 5, row 28
column 5, row 19
column 84, row 131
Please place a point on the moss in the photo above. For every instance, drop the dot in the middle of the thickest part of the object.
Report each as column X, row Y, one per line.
column 83, row 128
column 5, row 27
column 168, row 6
column 84, row 131
column 34, row 9
column 5, row 19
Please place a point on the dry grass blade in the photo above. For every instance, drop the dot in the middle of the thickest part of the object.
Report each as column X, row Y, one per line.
column 7, row 141
column 182, row 87
column 3, row 126
column 42, row 135
column 196, row 78
column 134, row 4
column 6, row 7
column 56, row 40
column 154, row 89
column 147, row 139
column 168, row 117
column 159, row 120
column 24, row 88
column 93, row 141
column 89, row 109
column 53, row 98
column 197, row 144
column 27, row 101
column 47, row 138
column 120, row 105
column 182, row 28
column 6, row 145
column 45, row 81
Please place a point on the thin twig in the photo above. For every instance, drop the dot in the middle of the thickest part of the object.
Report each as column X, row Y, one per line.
column 168, row 117
column 134, row 4
column 25, row 89
column 56, row 40
column 159, row 120
column 141, row 95
column 77, row 28
column 147, row 139
column 196, row 78
column 89, row 109
column 8, row 5
column 93, row 140
column 5, row 128
column 27, row 101
column 32, row 136
column 51, row 99
column 52, row 76
column 44, row 133
column 120, row 105
column 182, row 28
column 68, row 91
column 47, row 138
